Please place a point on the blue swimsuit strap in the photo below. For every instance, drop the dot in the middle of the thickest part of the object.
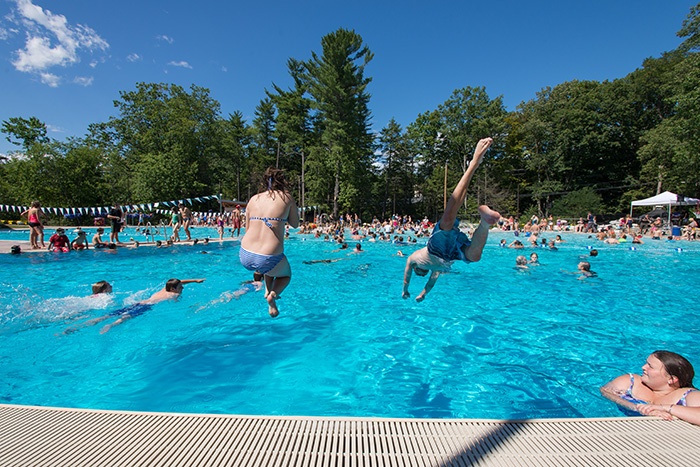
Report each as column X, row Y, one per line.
column 681, row 401
column 629, row 395
column 267, row 220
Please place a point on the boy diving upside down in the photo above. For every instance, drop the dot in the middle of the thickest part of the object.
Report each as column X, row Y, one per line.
column 447, row 243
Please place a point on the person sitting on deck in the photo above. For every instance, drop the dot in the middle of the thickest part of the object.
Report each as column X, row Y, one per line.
column 59, row 241
column 665, row 389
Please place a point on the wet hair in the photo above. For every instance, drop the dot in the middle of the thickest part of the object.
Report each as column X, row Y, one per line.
column 521, row 260
column 274, row 179
column 15, row 249
column 586, row 266
column 678, row 366
column 100, row 287
column 594, row 252
column 172, row 285
column 100, row 230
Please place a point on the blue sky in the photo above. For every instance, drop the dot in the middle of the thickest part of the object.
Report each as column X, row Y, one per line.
column 65, row 62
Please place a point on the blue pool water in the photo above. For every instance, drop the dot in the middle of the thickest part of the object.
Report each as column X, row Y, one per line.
column 488, row 342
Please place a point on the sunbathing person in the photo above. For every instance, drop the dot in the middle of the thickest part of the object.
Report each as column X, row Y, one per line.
column 664, row 389
column 447, row 243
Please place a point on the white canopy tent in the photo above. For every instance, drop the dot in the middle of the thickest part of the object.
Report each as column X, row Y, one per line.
column 665, row 199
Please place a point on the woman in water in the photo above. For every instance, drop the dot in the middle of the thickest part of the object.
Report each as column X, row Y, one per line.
column 262, row 245
column 36, row 234
column 665, row 389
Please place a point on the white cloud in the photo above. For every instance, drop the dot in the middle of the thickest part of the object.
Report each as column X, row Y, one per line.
column 165, row 38
column 84, row 80
column 50, row 79
column 134, row 57
column 54, row 129
column 51, row 41
column 181, row 63
column 224, row 69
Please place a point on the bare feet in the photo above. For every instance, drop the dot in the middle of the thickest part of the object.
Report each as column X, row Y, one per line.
column 481, row 147
column 272, row 303
column 488, row 215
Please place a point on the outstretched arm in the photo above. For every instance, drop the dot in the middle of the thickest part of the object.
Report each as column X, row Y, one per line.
column 428, row 285
column 407, row 273
column 189, row 281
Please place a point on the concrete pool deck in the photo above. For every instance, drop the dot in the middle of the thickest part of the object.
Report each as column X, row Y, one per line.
column 74, row 437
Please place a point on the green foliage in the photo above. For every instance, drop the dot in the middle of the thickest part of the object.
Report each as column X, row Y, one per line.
column 338, row 89
column 578, row 203
column 25, row 132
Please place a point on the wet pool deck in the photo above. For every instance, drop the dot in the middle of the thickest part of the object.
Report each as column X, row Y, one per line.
column 42, row 436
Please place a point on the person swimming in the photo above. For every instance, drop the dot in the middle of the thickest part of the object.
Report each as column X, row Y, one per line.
column 172, row 291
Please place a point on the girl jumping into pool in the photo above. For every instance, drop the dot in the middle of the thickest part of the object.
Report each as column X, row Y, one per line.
column 262, row 245
column 447, row 243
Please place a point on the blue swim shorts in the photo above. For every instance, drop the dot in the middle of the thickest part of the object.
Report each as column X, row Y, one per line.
column 132, row 310
column 448, row 244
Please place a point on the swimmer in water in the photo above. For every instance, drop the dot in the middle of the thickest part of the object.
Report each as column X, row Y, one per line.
column 254, row 285
column 171, row 291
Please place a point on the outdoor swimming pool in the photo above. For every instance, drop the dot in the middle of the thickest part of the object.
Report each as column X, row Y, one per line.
column 488, row 342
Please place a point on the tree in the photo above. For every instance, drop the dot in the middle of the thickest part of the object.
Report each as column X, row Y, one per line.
column 264, row 146
column 25, row 132
column 339, row 90
column 231, row 167
column 164, row 125
column 397, row 171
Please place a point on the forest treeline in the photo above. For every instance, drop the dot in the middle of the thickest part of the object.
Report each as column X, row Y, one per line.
column 579, row 146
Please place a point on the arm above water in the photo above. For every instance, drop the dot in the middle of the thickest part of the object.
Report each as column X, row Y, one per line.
column 614, row 390
column 189, row 281
column 407, row 273
column 689, row 413
column 428, row 285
